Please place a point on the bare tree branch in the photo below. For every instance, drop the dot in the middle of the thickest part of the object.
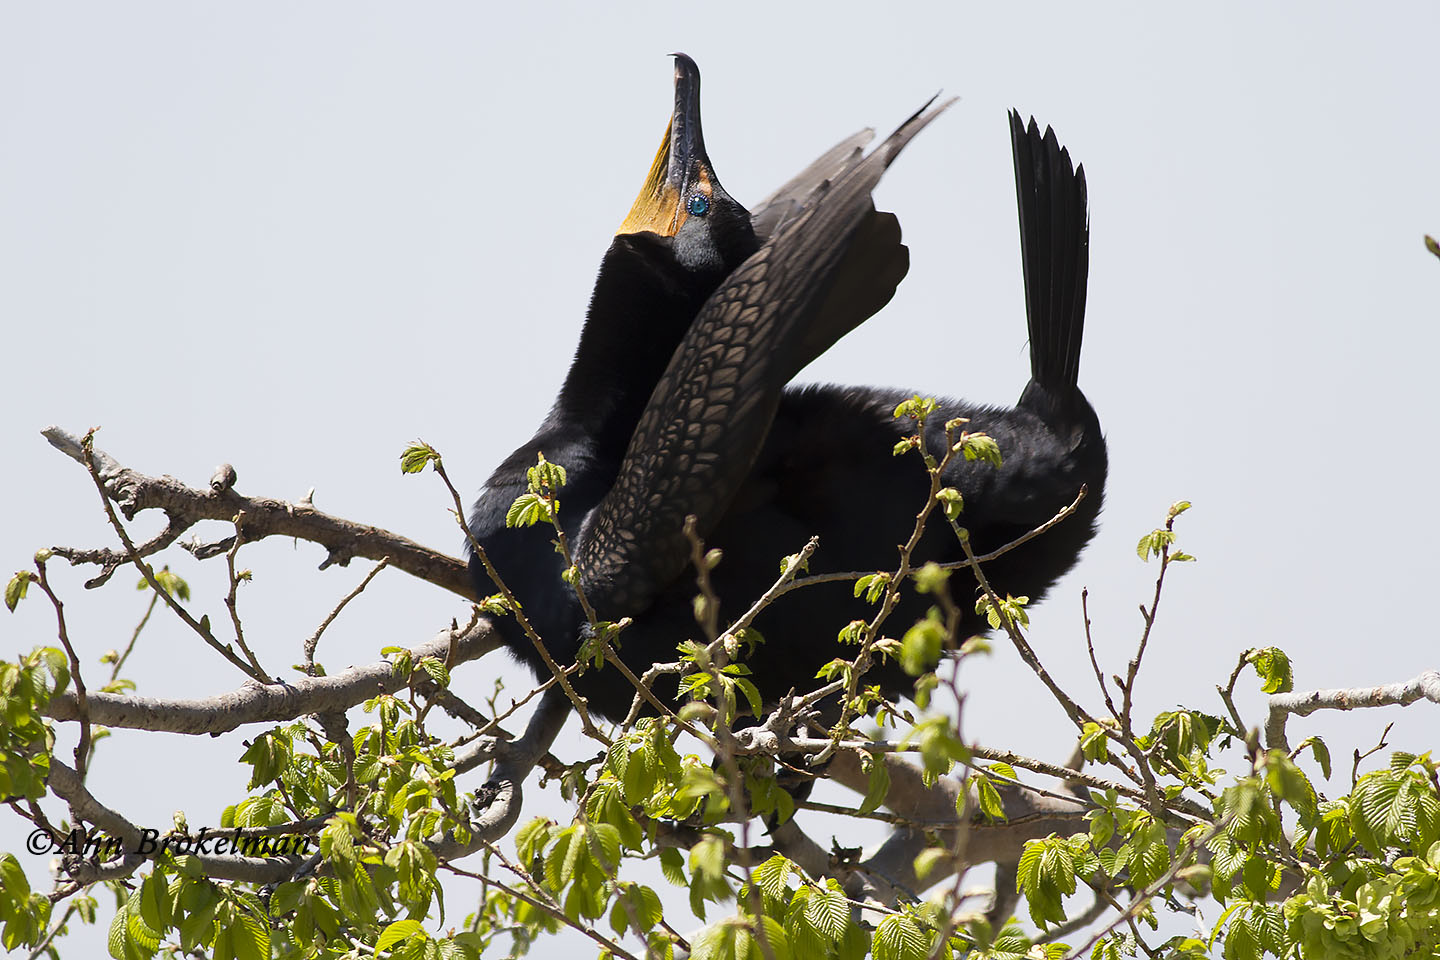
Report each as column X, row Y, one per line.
column 1282, row 705
column 185, row 506
column 66, row 784
column 268, row 703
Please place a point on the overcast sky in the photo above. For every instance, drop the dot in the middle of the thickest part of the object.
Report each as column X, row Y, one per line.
column 295, row 237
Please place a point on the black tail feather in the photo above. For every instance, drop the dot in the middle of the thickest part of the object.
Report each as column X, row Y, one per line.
column 1055, row 251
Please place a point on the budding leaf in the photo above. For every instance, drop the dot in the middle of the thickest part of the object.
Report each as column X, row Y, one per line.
column 916, row 408
column 527, row 510
column 1320, row 751
column 920, row 647
column 416, row 456
column 172, row 583
column 931, row 578
column 872, row 586
column 1093, row 743
column 544, row 477
column 979, row 446
column 1273, row 666
column 15, row 589
column 988, row 797
column 879, row 785
column 1154, row 543
column 928, row 860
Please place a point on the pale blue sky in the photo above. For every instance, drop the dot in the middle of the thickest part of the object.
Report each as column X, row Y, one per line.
column 295, row 237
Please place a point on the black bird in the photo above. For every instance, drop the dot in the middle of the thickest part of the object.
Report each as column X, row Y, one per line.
column 676, row 405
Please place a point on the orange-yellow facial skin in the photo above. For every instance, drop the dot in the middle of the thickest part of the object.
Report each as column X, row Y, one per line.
column 659, row 208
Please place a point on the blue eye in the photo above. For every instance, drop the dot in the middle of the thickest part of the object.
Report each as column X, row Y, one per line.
column 698, row 205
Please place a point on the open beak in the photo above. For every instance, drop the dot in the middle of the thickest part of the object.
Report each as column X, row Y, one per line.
column 681, row 169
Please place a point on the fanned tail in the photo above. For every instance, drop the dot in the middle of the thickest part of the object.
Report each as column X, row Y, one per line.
column 1055, row 252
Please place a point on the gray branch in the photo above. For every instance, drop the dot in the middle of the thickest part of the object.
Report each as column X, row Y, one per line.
column 184, row 506
column 1284, row 705
column 67, row 785
column 273, row 702
column 498, row 806
column 1029, row 816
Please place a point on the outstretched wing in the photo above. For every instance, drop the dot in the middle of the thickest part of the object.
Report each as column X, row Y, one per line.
column 771, row 214
column 710, row 412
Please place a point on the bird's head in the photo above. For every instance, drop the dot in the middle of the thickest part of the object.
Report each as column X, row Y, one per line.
column 682, row 200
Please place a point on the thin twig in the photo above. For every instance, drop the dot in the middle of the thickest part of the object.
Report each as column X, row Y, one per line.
column 1227, row 692
column 82, row 702
column 1127, row 687
column 1094, row 661
column 605, row 942
column 708, row 616
column 1021, row 540
column 579, row 702
column 200, row 629
column 314, row 639
column 231, row 603
column 134, row 636
column 1078, row 715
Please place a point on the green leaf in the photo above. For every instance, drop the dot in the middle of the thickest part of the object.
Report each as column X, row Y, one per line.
column 1273, row 666
column 1395, row 808
column 672, row 866
column 773, row 879
column 979, row 446
column 13, row 882
column 1013, row 608
column 920, row 647
column 916, row 408
column 416, row 456
column 872, row 586
column 118, row 940
column 1289, row 783
column 988, row 797
column 251, row 937
column 928, row 859
column 825, row 912
column 528, row 510
column 435, row 667
column 496, row 605
column 878, row 787
column 899, row 937
column 15, row 589
column 1153, row 544
column 707, row 858
column 1093, row 743
column 398, row 931
column 951, row 501
column 545, row 477
column 172, row 583
column 931, row 578
column 1046, row 875
column 530, row 839
column 852, row 633
column 155, row 904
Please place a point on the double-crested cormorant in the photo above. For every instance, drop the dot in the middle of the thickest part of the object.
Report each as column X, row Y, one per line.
column 676, row 405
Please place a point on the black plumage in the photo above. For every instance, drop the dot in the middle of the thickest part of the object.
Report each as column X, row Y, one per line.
column 677, row 405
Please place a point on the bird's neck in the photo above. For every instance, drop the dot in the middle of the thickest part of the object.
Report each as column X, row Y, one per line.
column 642, row 305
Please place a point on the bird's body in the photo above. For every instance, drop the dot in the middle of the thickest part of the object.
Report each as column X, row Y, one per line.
column 677, row 405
